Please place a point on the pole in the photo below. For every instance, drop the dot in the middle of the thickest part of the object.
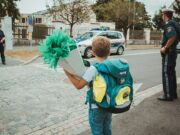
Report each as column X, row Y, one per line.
column 129, row 6
column 134, row 14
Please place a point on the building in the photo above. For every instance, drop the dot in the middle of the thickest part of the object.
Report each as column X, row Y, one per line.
column 44, row 23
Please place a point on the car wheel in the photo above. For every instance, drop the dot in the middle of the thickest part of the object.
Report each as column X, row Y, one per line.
column 120, row 50
column 88, row 52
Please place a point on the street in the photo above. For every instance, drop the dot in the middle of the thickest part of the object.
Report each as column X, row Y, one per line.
column 145, row 66
column 37, row 100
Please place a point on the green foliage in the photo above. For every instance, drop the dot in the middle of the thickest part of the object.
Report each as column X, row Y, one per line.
column 10, row 7
column 157, row 20
column 70, row 13
column 122, row 13
column 100, row 11
column 98, row 2
column 176, row 8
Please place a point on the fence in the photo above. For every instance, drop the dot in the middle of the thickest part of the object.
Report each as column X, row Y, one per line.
column 138, row 37
column 20, row 33
column 136, row 34
column 40, row 32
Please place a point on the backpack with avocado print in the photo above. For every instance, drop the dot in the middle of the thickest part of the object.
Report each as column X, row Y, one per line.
column 112, row 88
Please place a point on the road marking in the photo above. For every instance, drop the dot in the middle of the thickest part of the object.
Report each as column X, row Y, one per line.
column 136, row 87
column 133, row 54
column 143, row 53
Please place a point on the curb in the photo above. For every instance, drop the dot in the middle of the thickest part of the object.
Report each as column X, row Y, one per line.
column 31, row 60
column 140, row 96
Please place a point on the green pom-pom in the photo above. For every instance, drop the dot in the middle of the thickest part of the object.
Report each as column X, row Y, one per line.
column 56, row 46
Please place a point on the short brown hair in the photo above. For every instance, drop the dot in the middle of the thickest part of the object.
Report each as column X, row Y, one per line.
column 101, row 46
column 168, row 14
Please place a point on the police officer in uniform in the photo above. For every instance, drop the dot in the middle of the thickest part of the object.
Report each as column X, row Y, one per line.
column 2, row 41
column 169, row 56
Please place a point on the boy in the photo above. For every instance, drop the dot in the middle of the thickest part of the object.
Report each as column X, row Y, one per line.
column 99, row 120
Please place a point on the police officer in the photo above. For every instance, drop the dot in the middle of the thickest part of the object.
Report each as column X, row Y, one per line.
column 2, row 41
column 169, row 56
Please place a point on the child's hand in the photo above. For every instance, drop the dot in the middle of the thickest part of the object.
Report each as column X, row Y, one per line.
column 67, row 73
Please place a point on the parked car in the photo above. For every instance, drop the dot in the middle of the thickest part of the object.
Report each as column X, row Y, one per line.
column 84, row 42
column 178, row 47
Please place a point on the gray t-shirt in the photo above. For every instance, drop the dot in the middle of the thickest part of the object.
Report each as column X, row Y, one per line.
column 90, row 74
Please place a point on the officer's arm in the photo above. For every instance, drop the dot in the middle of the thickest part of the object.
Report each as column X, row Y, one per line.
column 78, row 83
column 168, row 44
column 3, row 38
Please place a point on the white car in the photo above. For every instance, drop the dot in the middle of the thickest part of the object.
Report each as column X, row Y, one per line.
column 178, row 47
column 84, row 42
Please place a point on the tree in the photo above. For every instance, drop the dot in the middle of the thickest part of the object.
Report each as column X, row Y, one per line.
column 98, row 2
column 74, row 12
column 122, row 13
column 9, row 7
column 99, row 8
column 176, row 7
column 157, row 20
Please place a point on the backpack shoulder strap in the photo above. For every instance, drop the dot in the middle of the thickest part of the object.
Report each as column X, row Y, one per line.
column 96, row 66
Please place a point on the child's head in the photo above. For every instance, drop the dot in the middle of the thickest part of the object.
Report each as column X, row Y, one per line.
column 101, row 47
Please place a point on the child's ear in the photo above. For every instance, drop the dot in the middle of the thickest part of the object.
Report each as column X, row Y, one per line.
column 93, row 54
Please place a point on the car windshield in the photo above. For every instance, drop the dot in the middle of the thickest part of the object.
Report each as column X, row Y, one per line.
column 86, row 36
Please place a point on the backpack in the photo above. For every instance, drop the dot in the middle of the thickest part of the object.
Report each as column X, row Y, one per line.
column 112, row 88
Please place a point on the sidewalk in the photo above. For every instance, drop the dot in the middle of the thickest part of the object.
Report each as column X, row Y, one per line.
column 37, row 109
column 28, row 53
column 150, row 117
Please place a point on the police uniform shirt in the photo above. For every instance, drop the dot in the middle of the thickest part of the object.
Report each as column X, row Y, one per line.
column 169, row 32
column 1, row 35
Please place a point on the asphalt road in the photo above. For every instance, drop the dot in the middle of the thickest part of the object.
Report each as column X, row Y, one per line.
column 35, row 99
column 145, row 66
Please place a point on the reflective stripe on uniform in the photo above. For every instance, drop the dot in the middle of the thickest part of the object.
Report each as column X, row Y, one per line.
column 166, row 75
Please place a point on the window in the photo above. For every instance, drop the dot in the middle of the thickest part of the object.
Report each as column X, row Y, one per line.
column 104, row 34
column 119, row 35
column 23, row 20
column 113, row 35
column 85, row 36
column 38, row 20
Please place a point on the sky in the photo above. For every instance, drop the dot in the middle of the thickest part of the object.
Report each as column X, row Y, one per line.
column 153, row 6
column 30, row 6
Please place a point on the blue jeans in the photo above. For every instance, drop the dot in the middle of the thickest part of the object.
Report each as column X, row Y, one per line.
column 100, row 122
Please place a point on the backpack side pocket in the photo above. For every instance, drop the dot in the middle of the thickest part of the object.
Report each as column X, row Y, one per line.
column 99, row 88
column 121, row 98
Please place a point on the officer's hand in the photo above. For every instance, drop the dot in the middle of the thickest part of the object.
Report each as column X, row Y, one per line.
column 163, row 50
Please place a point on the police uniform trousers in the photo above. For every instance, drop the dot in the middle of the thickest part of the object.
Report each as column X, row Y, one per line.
column 169, row 74
column 2, row 53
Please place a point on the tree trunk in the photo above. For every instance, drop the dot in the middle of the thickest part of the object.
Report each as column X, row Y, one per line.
column 121, row 27
column 125, row 29
column 71, row 30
